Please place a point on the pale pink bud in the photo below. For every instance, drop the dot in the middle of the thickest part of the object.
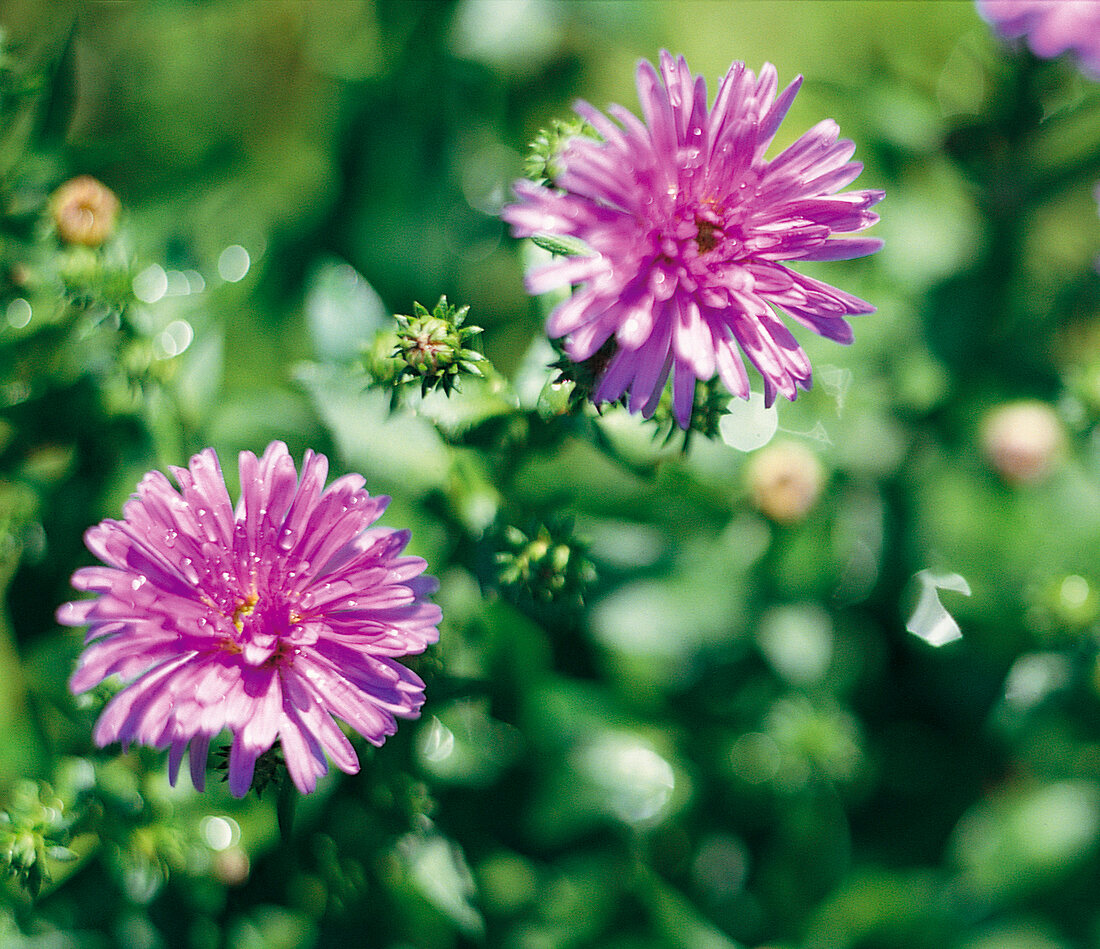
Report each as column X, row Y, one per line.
column 84, row 211
column 785, row 480
column 1023, row 441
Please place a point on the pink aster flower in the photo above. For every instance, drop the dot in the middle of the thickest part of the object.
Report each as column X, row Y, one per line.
column 266, row 620
column 1051, row 26
column 688, row 224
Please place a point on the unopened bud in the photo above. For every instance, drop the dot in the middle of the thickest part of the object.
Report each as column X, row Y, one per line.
column 434, row 348
column 543, row 564
column 1023, row 441
column 84, row 211
column 543, row 161
column 231, row 866
column 785, row 480
column 20, row 275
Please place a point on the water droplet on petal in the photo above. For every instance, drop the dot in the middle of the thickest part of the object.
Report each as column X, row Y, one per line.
column 138, row 582
column 170, row 538
column 286, row 539
column 187, row 568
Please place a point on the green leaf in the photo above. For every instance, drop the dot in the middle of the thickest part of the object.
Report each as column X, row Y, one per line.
column 562, row 246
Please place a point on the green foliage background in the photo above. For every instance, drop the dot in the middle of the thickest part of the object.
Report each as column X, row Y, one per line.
column 733, row 740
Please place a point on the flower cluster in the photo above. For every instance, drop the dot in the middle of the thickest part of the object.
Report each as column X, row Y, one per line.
column 1052, row 27
column 267, row 619
column 686, row 225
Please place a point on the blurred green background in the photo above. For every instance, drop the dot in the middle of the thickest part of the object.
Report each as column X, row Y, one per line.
column 723, row 735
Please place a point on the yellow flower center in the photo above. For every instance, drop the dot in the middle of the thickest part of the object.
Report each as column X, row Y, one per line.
column 245, row 608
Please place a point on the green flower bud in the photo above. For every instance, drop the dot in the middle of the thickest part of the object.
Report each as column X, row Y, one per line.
column 33, row 828
column 434, row 347
column 711, row 403
column 542, row 565
column 541, row 163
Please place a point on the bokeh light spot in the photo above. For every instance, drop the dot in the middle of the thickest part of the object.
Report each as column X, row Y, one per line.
column 749, row 424
column 233, row 263
column 219, row 833
column 18, row 313
column 151, row 284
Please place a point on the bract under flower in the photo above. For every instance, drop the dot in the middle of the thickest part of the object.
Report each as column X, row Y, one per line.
column 688, row 223
column 267, row 620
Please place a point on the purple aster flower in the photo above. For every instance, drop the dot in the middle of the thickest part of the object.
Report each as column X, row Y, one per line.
column 266, row 620
column 688, row 223
column 1051, row 27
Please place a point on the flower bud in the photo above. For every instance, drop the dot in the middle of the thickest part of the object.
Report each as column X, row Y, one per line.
column 84, row 211
column 433, row 348
column 543, row 564
column 35, row 825
column 543, row 161
column 785, row 480
column 1023, row 441
column 231, row 866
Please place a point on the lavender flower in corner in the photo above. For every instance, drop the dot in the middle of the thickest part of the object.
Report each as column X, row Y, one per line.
column 1052, row 27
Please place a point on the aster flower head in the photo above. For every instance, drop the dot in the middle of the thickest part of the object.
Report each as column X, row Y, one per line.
column 267, row 620
column 688, row 225
column 1052, row 27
